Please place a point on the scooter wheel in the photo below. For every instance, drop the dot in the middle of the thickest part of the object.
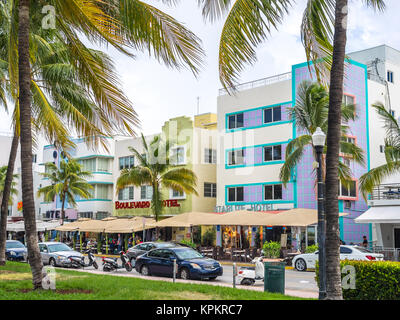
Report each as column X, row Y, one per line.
column 106, row 269
column 128, row 267
column 247, row 282
column 95, row 265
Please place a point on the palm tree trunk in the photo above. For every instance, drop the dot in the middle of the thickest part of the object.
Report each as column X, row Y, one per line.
column 334, row 290
column 35, row 260
column 6, row 197
column 62, row 210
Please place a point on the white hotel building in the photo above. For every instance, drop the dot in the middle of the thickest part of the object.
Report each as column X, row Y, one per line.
column 255, row 128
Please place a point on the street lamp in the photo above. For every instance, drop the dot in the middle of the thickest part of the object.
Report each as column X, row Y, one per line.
column 318, row 139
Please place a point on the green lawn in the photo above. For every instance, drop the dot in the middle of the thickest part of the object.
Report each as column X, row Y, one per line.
column 16, row 284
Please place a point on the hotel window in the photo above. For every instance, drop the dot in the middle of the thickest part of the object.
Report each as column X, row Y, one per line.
column 382, row 149
column 102, row 165
column 210, row 190
column 210, row 155
column 348, row 100
column 235, row 121
column 102, row 191
column 272, row 153
column 347, row 162
column 348, row 192
column 177, row 194
column 235, row 194
column 88, row 164
column 236, row 157
column 178, row 155
column 126, row 162
column 126, row 193
column 272, row 114
column 34, row 158
column 273, row 192
column 390, row 76
column 146, row 192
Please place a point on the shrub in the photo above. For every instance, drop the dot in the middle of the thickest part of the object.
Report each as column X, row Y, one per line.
column 208, row 238
column 188, row 243
column 272, row 249
column 311, row 249
column 375, row 280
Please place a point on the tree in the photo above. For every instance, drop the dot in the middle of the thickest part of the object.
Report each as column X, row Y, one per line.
column 375, row 176
column 309, row 113
column 324, row 36
column 67, row 182
column 169, row 40
column 156, row 169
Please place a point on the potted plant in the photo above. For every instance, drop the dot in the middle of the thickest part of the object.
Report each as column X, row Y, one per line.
column 272, row 251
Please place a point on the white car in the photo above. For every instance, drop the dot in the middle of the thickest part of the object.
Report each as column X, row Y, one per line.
column 305, row 261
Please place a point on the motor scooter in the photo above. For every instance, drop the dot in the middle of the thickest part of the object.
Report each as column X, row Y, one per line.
column 249, row 275
column 80, row 262
column 111, row 264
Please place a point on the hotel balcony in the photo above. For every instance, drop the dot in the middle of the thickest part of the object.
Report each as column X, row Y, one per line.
column 385, row 195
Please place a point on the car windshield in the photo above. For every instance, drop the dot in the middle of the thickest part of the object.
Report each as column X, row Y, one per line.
column 14, row 245
column 58, row 247
column 186, row 254
column 363, row 250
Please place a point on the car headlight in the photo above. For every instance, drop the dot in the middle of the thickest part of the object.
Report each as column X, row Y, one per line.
column 195, row 265
column 12, row 253
column 62, row 258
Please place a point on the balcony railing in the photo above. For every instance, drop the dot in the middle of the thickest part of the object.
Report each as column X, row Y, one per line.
column 386, row 192
column 259, row 83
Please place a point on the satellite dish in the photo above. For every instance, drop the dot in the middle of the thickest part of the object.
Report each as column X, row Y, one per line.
column 55, row 154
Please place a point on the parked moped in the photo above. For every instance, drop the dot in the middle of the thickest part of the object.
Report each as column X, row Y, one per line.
column 111, row 264
column 80, row 262
column 249, row 275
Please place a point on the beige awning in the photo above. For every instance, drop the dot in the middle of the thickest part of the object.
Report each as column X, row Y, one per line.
column 187, row 219
column 72, row 226
column 129, row 225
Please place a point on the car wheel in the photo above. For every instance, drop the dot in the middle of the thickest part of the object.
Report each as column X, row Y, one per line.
column 300, row 265
column 145, row 270
column 247, row 282
column 213, row 278
column 52, row 262
column 184, row 274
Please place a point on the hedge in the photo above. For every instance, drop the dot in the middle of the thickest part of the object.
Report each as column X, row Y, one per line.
column 375, row 280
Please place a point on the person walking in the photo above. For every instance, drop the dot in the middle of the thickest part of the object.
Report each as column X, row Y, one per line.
column 365, row 242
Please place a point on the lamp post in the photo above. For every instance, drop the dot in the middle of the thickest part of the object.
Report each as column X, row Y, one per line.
column 318, row 139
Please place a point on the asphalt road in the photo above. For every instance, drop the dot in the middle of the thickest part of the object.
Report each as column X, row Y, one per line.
column 294, row 280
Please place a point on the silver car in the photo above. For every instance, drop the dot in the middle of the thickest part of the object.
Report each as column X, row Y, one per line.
column 57, row 254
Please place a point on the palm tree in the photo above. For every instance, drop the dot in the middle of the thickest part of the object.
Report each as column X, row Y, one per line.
column 161, row 35
column 156, row 169
column 67, row 182
column 14, row 191
column 376, row 175
column 310, row 112
column 324, row 37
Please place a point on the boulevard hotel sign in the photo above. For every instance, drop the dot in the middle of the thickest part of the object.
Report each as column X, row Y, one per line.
column 144, row 204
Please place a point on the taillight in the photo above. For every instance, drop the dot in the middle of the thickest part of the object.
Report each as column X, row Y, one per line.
column 240, row 272
column 370, row 257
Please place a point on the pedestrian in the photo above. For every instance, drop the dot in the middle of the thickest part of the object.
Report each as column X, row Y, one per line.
column 130, row 241
column 365, row 242
column 119, row 243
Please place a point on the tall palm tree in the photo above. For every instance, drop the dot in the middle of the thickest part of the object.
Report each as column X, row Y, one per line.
column 310, row 112
column 168, row 39
column 67, row 182
column 323, row 33
column 156, row 169
column 375, row 176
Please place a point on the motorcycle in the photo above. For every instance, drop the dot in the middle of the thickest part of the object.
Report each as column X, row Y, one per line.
column 249, row 275
column 80, row 262
column 111, row 264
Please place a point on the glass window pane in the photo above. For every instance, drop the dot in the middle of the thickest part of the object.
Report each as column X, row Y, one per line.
column 267, row 153
column 231, row 194
column 239, row 194
column 131, row 193
column 239, row 120
column 277, row 152
column 353, row 191
column 267, row 115
column 268, row 193
column 231, row 156
column 232, row 122
column 277, row 114
column 277, row 192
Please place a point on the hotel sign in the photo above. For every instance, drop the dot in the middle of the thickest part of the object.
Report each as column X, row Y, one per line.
column 251, row 207
column 144, row 204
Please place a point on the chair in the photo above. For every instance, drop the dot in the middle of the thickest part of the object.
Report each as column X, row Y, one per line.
column 228, row 254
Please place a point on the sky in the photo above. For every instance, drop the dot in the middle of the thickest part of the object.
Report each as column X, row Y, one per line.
column 159, row 93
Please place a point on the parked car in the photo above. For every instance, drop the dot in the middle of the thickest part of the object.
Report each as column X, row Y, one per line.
column 305, row 261
column 15, row 251
column 57, row 254
column 144, row 247
column 190, row 263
